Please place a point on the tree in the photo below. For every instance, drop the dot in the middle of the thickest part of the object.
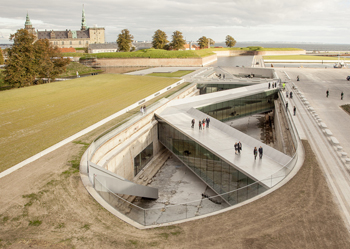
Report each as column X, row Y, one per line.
column 1, row 57
column 203, row 42
column 212, row 42
column 230, row 42
column 178, row 41
column 50, row 60
column 159, row 39
column 28, row 60
column 20, row 65
column 124, row 40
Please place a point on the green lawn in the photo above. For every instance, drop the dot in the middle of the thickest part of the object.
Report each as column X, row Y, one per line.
column 255, row 49
column 73, row 67
column 301, row 57
column 35, row 118
column 179, row 73
column 154, row 53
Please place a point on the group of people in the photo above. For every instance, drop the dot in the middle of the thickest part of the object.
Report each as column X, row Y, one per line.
column 341, row 95
column 201, row 123
column 143, row 110
column 274, row 85
column 290, row 94
column 238, row 147
column 255, row 151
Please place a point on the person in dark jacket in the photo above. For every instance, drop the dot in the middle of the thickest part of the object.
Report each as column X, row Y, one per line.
column 255, row 151
column 239, row 147
column 260, row 152
column 193, row 122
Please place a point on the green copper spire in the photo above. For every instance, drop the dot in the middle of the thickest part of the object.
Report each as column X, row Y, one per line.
column 83, row 23
column 28, row 23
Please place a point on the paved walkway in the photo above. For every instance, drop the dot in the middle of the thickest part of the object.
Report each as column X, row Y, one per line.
column 313, row 85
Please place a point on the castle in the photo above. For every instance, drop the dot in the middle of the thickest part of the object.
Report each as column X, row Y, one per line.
column 68, row 38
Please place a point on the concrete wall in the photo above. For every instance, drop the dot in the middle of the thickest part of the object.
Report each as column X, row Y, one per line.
column 122, row 163
column 156, row 62
column 118, row 153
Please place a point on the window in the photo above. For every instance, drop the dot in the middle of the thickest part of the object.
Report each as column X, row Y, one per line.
column 143, row 158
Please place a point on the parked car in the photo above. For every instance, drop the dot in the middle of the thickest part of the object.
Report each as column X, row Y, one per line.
column 348, row 78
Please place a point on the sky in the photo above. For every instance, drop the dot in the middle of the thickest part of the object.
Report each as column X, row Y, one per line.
column 311, row 21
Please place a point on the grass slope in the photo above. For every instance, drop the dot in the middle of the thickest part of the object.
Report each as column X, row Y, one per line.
column 35, row 118
column 179, row 73
column 301, row 57
column 154, row 53
column 73, row 67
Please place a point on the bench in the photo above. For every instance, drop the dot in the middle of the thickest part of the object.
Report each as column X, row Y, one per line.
column 334, row 140
column 339, row 148
column 323, row 125
column 347, row 160
column 343, row 154
column 328, row 132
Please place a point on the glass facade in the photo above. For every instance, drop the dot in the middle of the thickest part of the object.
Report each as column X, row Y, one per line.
column 143, row 158
column 218, row 174
column 241, row 107
column 211, row 88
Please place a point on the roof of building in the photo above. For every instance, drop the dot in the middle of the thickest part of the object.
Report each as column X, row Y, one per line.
column 67, row 50
column 80, row 34
column 104, row 46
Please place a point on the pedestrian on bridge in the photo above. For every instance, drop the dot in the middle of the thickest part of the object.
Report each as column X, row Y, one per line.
column 269, row 85
column 341, row 95
column 327, row 93
column 294, row 110
column 193, row 122
column 255, row 151
column 200, row 124
column 260, row 152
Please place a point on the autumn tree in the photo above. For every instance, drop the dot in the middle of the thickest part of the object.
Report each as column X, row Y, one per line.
column 230, row 42
column 202, row 42
column 28, row 60
column 49, row 59
column 159, row 39
column 125, row 40
column 20, row 65
column 1, row 57
column 178, row 41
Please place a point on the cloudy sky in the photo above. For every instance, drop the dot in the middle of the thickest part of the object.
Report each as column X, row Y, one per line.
column 245, row 20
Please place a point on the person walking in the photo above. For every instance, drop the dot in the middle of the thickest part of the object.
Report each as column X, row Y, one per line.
column 203, row 123
column 239, row 147
column 327, row 93
column 341, row 95
column 284, row 86
column 200, row 124
column 286, row 106
column 144, row 109
column 291, row 94
column 275, row 84
column 255, row 151
column 260, row 152
column 269, row 85
column 236, row 148
column 208, row 121
column 286, row 94
column 193, row 122
column 294, row 110
column 141, row 110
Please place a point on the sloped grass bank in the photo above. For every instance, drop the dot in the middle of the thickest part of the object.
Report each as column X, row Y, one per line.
column 35, row 118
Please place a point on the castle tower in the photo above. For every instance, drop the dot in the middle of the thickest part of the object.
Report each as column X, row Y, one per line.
column 28, row 26
column 83, row 22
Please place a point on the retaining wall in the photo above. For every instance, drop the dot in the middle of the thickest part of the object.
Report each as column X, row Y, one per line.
column 156, row 62
column 242, row 52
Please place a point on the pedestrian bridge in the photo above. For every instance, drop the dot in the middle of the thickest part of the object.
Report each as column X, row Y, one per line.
column 210, row 153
